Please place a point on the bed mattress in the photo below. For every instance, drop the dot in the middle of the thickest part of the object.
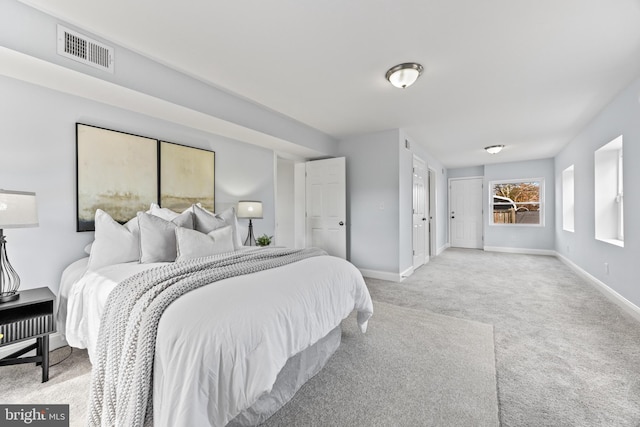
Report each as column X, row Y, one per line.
column 220, row 348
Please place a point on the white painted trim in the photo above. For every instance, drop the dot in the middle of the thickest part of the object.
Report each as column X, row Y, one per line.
column 408, row 272
column 56, row 340
column 525, row 251
column 443, row 248
column 386, row 275
column 626, row 305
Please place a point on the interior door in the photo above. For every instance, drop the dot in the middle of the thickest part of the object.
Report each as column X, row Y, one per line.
column 465, row 213
column 326, row 206
column 420, row 209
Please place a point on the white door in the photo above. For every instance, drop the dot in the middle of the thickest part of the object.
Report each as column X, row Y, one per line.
column 326, row 206
column 465, row 213
column 420, row 209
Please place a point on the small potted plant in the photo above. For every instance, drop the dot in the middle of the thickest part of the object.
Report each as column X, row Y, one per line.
column 264, row 240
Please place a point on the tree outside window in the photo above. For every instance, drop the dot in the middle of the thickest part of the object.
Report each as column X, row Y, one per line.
column 517, row 202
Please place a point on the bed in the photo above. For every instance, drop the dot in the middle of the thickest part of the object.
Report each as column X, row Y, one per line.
column 227, row 353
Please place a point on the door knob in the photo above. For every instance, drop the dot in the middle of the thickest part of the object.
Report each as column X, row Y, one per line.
column 424, row 219
column 341, row 223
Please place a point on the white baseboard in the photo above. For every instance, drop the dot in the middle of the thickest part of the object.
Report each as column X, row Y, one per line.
column 386, row 275
column 611, row 295
column 443, row 248
column 408, row 272
column 56, row 340
column 524, row 251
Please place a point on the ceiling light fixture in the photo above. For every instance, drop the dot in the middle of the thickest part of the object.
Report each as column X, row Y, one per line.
column 404, row 75
column 494, row 149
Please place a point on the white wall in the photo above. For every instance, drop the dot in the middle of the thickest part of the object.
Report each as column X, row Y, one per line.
column 620, row 117
column 372, row 200
column 32, row 32
column 516, row 237
column 466, row 172
column 37, row 153
column 285, row 203
column 379, row 201
column 522, row 236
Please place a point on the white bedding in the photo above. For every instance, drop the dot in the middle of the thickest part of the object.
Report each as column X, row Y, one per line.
column 220, row 347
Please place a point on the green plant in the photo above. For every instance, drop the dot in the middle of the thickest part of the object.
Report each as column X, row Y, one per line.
column 264, row 240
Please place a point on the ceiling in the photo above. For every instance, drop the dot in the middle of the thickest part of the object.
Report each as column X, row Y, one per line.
column 526, row 74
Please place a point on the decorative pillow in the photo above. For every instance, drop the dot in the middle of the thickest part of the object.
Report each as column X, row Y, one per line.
column 114, row 243
column 194, row 244
column 164, row 213
column 206, row 221
column 229, row 215
column 158, row 236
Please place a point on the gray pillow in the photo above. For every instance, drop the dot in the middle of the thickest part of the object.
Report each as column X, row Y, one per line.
column 158, row 236
column 206, row 222
column 194, row 244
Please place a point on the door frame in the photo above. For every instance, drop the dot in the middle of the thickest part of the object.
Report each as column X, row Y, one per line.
column 432, row 232
column 426, row 209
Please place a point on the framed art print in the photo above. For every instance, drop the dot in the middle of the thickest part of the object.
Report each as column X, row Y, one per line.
column 116, row 172
column 187, row 176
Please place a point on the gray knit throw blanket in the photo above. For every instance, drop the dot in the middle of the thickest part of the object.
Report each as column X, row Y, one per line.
column 122, row 378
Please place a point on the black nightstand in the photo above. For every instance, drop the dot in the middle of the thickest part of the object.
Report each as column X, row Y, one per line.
column 28, row 317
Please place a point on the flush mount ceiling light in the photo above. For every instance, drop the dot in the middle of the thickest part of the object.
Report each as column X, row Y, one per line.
column 494, row 149
column 404, row 75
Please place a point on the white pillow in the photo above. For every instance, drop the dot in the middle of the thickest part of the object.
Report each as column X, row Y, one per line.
column 114, row 243
column 206, row 221
column 164, row 213
column 158, row 236
column 194, row 244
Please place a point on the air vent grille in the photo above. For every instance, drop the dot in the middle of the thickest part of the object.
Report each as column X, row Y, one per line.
column 81, row 48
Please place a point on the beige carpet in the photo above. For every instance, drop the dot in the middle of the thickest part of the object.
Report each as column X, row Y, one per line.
column 68, row 383
column 411, row 368
column 565, row 355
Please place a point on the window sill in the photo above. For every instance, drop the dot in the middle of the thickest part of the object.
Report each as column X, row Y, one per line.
column 616, row 242
column 515, row 225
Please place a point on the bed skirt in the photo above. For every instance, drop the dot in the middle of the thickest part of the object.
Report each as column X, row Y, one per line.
column 297, row 371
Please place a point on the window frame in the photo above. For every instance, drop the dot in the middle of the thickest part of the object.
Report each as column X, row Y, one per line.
column 541, row 203
column 620, row 196
column 568, row 199
column 608, row 192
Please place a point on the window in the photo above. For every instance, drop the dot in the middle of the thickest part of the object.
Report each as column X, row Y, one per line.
column 517, row 202
column 608, row 194
column 568, row 203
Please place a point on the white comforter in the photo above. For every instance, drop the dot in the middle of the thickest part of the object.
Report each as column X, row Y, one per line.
column 220, row 347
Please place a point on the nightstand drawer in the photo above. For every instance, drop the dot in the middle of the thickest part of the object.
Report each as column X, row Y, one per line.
column 26, row 328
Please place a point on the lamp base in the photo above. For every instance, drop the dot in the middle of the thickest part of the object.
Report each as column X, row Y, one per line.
column 9, row 297
column 250, row 240
column 9, row 279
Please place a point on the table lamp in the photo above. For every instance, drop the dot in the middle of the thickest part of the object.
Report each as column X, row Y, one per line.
column 252, row 210
column 17, row 210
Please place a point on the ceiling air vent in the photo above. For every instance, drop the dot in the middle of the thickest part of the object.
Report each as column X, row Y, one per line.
column 81, row 48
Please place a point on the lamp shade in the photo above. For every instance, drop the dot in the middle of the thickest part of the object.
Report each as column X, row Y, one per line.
column 404, row 75
column 249, row 209
column 18, row 209
column 494, row 149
